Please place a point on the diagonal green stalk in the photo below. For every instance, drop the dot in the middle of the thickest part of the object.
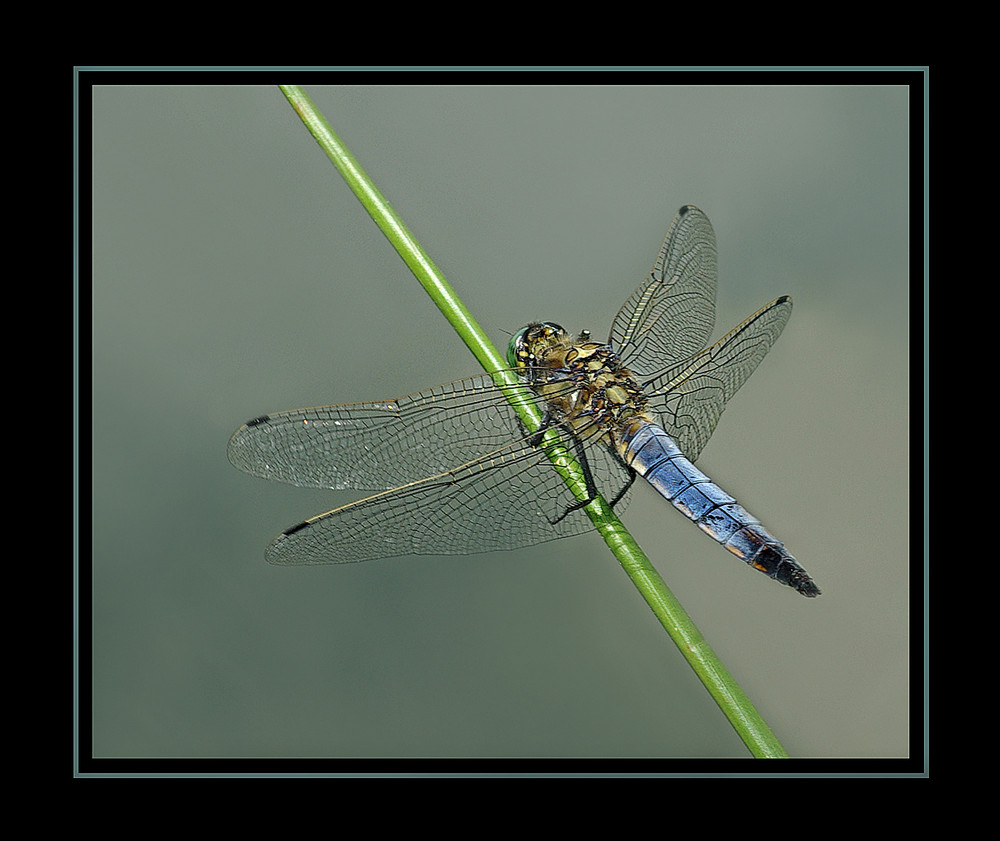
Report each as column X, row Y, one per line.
column 732, row 700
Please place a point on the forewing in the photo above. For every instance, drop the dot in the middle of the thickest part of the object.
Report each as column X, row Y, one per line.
column 380, row 445
column 691, row 396
column 670, row 316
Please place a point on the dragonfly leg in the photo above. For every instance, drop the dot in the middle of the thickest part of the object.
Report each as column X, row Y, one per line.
column 588, row 477
column 549, row 420
column 632, row 473
column 581, row 456
column 535, row 438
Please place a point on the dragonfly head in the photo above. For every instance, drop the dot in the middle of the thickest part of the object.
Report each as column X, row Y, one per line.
column 527, row 342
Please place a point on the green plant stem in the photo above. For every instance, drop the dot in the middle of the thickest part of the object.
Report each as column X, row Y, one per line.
column 733, row 702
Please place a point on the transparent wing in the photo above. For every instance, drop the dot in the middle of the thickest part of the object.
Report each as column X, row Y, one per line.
column 506, row 499
column 376, row 446
column 670, row 316
column 691, row 395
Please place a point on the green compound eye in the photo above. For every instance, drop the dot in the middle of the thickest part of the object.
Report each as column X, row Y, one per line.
column 517, row 353
column 514, row 346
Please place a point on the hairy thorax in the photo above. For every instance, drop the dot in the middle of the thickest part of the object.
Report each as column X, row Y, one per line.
column 582, row 381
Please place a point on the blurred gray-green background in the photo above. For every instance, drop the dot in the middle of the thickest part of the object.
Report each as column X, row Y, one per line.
column 235, row 274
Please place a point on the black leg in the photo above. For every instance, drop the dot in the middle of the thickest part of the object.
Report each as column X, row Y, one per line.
column 588, row 478
column 535, row 438
column 618, row 497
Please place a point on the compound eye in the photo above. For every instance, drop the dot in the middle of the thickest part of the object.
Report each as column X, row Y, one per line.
column 516, row 347
column 517, row 350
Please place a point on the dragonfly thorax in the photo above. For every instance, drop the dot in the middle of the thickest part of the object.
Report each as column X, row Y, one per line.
column 584, row 382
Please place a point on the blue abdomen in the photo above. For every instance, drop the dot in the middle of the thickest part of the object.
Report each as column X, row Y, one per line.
column 653, row 454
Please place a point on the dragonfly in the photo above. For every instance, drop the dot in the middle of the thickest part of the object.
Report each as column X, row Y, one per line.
column 474, row 465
